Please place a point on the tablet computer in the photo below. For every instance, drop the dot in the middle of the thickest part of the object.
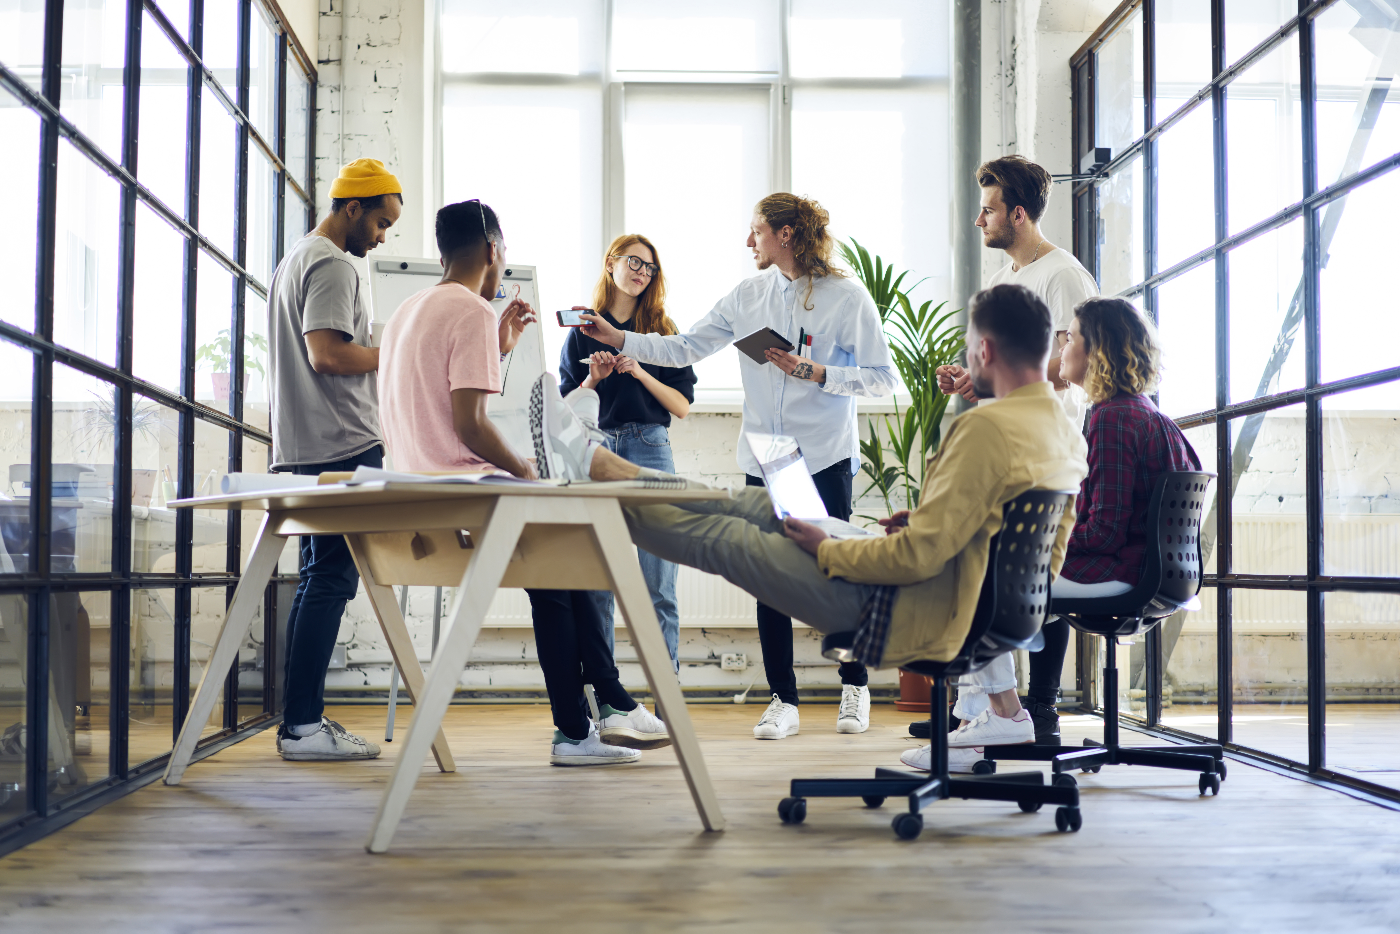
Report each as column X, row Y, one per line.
column 756, row 343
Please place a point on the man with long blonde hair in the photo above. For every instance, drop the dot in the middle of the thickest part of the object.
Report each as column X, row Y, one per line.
column 810, row 395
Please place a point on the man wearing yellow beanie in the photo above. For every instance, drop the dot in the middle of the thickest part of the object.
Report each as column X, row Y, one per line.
column 325, row 416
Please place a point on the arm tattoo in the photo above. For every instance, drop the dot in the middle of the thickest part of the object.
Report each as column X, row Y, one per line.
column 803, row 371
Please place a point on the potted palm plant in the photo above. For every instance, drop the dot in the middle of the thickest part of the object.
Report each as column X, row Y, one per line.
column 217, row 357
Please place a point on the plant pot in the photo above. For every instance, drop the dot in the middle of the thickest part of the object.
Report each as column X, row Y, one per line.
column 221, row 386
column 915, row 693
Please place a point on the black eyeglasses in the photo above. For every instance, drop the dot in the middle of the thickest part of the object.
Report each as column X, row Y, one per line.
column 636, row 265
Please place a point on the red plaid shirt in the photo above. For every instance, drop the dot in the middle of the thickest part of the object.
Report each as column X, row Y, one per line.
column 1131, row 444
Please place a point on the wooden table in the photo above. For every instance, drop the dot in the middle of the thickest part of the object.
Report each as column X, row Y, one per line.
column 475, row 537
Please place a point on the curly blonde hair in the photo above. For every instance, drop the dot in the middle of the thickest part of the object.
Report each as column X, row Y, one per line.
column 812, row 246
column 1122, row 349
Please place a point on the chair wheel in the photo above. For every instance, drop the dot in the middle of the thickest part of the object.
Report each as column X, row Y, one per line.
column 873, row 801
column 1063, row 780
column 908, row 826
column 792, row 810
column 1220, row 769
column 1068, row 819
column 1092, row 769
column 1209, row 782
column 984, row 767
column 1030, row 807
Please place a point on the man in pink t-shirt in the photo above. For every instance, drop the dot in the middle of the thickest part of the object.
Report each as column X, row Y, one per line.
column 440, row 363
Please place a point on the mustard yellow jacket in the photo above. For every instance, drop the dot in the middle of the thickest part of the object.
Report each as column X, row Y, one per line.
column 990, row 455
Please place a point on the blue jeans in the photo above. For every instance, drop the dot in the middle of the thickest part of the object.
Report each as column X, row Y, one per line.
column 647, row 446
column 328, row 580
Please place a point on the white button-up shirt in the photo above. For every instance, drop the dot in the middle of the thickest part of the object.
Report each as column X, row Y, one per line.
column 846, row 337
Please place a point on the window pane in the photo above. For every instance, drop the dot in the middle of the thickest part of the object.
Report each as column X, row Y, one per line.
column 262, row 76
column 1186, row 328
column 297, row 224
column 85, row 271
column 1120, row 229
column 1271, row 671
column 14, row 717
column 160, row 283
column 1185, row 192
column 256, row 405
column 832, row 39
column 251, row 668
column 1263, row 134
column 1266, row 312
column 721, row 35
column 262, row 215
column 218, row 150
column 94, row 52
column 1118, row 87
column 16, row 404
column 1270, row 530
column 882, row 196
column 19, row 127
column 178, row 12
column 22, row 39
column 1363, row 685
column 211, row 451
column 213, row 320
column 207, row 609
column 155, row 455
column 84, row 432
column 151, row 671
column 80, row 642
column 1361, row 500
column 548, row 195
column 1183, row 51
column 1250, row 22
column 160, row 164
column 1358, row 336
column 1189, row 639
column 563, row 37
column 298, row 114
column 711, row 142
column 1358, row 110
column 221, row 40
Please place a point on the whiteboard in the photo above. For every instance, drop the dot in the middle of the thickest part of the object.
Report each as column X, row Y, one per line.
column 393, row 279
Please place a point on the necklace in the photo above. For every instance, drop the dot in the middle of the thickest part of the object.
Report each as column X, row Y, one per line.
column 1042, row 243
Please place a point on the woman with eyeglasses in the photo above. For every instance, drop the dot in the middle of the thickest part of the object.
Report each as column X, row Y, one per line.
column 636, row 400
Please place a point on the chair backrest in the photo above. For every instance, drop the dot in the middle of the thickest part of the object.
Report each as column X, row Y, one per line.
column 1015, row 597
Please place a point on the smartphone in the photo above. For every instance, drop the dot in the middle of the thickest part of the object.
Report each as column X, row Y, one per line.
column 571, row 319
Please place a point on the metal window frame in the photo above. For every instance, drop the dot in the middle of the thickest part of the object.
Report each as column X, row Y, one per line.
column 1314, row 583
column 39, row 582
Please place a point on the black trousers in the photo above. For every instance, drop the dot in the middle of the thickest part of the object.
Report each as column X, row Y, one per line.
column 775, row 629
column 573, row 651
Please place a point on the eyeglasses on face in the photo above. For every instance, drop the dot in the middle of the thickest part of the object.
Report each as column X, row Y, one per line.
column 635, row 264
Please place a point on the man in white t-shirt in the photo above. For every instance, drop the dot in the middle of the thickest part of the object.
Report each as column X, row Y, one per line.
column 1014, row 194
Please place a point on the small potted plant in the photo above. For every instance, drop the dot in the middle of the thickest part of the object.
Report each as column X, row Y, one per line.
column 217, row 356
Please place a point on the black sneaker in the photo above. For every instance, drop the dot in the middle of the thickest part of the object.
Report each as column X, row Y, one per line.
column 923, row 729
column 1047, row 722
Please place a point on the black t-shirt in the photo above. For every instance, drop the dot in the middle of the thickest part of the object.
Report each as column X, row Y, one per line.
column 622, row 398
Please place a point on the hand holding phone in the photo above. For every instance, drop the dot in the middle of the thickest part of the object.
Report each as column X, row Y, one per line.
column 571, row 319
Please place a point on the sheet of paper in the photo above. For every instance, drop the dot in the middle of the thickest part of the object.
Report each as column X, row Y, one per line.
column 378, row 475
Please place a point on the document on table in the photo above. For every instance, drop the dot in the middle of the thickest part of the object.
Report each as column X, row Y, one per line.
column 379, row 475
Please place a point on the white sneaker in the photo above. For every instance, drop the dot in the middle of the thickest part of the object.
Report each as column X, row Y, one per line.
column 778, row 721
column 591, row 750
column 854, row 713
column 636, row 729
column 987, row 729
column 960, row 758
column 564, row 445
column 330, row 743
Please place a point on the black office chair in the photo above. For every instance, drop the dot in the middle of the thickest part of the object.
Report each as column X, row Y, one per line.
column 1170, row 580
column 1012, row 607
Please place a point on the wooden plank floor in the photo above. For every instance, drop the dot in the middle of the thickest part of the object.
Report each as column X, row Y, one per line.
column 251, row 843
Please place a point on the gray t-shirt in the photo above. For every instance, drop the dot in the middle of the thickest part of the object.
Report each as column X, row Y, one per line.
column 318, row 419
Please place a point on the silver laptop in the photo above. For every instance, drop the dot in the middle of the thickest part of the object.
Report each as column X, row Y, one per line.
column 790, row 485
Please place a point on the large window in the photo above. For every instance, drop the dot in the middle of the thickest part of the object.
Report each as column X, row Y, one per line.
column 1251, row 149
column 580, row 120
column 160, row 161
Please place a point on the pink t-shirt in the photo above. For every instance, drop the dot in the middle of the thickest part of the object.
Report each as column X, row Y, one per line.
column 441, row 339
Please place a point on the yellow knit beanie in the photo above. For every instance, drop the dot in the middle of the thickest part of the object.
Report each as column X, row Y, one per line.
column 365, row 178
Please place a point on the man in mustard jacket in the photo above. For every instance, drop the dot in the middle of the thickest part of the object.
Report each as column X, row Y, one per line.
column 916, row 588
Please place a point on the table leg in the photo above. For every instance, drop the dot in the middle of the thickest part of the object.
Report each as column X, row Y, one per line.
column 630, row 589
column 391, row 621
column 478, row 587
column 247, row 598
